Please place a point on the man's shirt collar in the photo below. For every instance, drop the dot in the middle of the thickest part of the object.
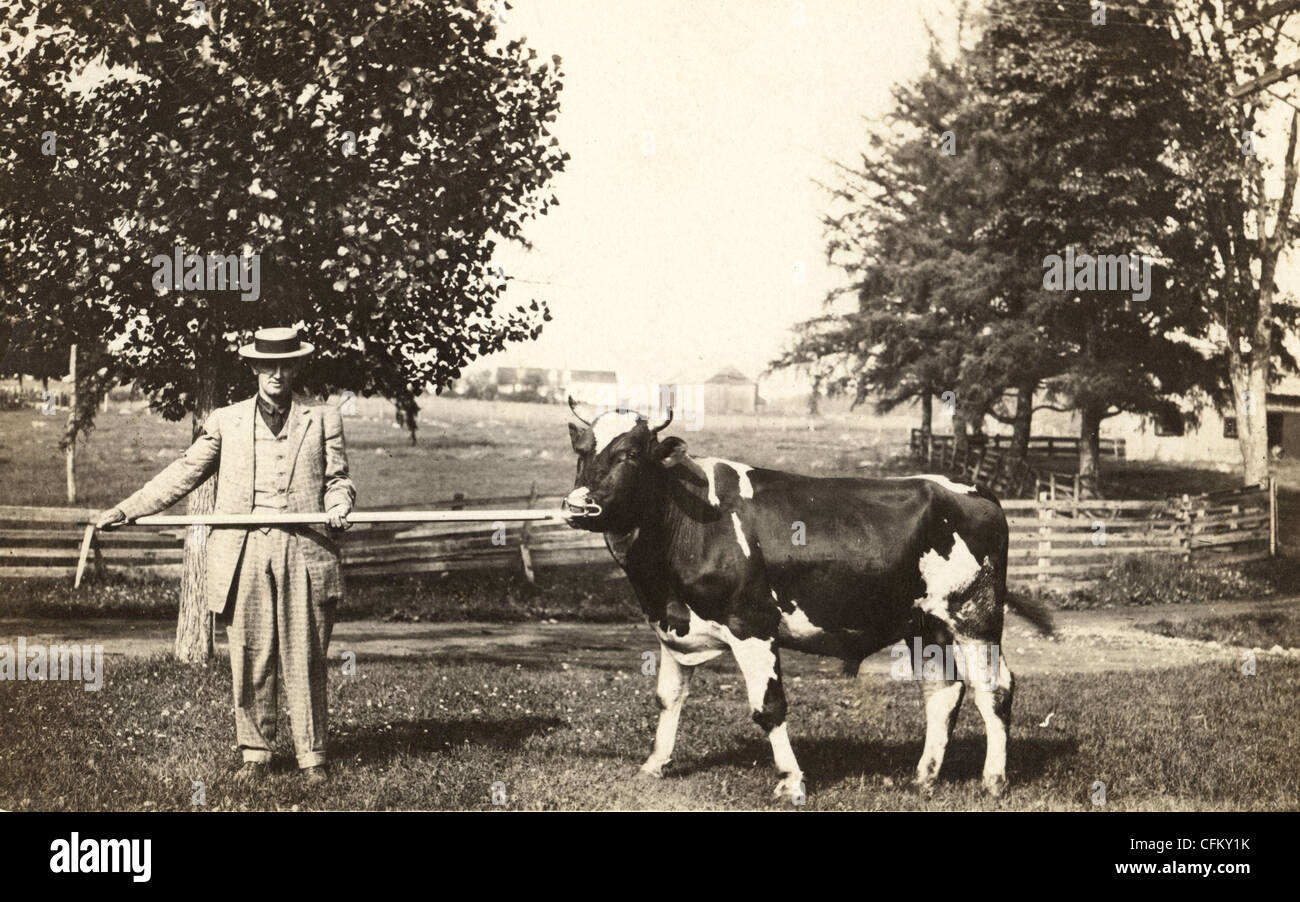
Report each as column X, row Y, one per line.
column 266, row 405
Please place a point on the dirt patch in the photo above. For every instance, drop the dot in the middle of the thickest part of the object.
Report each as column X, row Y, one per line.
column 1086, row 641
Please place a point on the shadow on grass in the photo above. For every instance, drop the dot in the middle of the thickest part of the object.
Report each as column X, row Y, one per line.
column 423, row 738
column 828, row 760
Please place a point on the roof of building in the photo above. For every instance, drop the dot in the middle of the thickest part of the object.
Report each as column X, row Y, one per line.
column 729, row 375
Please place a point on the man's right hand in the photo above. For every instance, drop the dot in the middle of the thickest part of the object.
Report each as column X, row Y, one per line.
column 111, row 519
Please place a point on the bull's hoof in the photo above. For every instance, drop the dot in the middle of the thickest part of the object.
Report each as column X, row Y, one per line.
column 922, row 788
column 995, row 784
column 792, row 789
column 653, row 770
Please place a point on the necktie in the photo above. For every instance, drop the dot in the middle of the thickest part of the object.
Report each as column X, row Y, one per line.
column 273, row 416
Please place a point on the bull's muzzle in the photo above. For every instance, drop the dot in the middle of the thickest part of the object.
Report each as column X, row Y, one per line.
column 578, row 503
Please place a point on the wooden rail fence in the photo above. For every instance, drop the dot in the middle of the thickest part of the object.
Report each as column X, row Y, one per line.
column 1053, row 543
column 987, row 461
column 1041, row 445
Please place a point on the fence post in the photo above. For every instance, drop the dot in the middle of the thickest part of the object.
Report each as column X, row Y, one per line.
column 1272, row 517
column 458, row 501
column 87, row 537
column 1045, row 514
column 1185, row 519
column 525, row 556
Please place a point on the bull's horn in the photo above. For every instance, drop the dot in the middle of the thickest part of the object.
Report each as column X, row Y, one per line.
column 573, row 405
column 665, row 423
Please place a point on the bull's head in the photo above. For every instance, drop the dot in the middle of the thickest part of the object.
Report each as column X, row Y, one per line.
column 618, row 455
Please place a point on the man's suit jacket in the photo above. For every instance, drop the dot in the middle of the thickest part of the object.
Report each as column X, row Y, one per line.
column 318, row 481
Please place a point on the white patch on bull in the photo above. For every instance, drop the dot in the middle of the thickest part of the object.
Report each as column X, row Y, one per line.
column 708, row 465
column 611, row 425
column 757, row 664
column 742, row 475
column 740, row 533
column 945, row 577
column 704, row 640
column 958, row 487
column 783, row 754
column 797, row 624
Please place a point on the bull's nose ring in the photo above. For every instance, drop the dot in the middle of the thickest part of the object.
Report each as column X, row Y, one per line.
column 587, row 509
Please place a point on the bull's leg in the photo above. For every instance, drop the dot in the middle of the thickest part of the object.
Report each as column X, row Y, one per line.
column 992, row 683
column 942, row 701
column 760, row 665
column 673, row 687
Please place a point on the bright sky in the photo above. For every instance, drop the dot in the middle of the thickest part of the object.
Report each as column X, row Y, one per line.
column 688, row 235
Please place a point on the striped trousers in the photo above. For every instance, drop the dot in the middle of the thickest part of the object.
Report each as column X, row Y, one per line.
column 276, row 621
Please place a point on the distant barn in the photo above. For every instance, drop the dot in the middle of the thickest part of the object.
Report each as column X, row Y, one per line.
column 730, row 391
column 726, row 391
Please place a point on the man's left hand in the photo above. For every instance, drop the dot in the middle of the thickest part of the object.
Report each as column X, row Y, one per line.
column 339, row 518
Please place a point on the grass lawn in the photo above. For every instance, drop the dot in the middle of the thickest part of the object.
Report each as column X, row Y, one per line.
column 438, row 733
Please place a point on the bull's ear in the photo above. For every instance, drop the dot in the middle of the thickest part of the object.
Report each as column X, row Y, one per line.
column 581, row 438
column 670, row 452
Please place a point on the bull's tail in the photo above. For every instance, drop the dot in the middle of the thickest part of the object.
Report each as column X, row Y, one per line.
column 1032, row 609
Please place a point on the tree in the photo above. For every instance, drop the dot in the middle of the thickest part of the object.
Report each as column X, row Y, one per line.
column 932, row 298
column 481, row 385
column 1102, row 126
column 366, row 160
column 1245, row 214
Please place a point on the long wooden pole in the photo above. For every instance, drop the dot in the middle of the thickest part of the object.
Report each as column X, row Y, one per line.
column 486, row 516
column 453, row 516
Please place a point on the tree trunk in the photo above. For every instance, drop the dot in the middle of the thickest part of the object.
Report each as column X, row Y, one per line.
column 70, row 456
column 814, row 396
column 1022, row 420
column 1250, row 399
column 1090, row 417
column 960, row 438
column 194, row 622
column 1249, row 374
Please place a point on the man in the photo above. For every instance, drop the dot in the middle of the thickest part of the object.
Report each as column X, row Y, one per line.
column 272, row 455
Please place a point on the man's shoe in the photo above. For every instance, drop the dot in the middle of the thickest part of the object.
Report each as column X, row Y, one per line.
column 252, row 772
column 316, row 775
